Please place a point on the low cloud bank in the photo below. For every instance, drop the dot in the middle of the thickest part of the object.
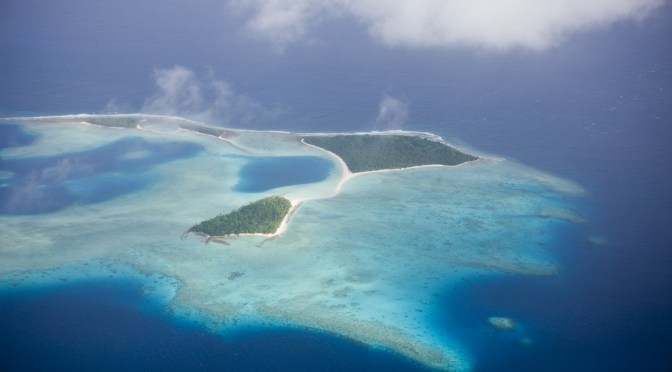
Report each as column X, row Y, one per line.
column 484, row 24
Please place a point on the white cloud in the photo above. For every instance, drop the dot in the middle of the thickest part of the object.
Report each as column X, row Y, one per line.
column 178, row 90
column 181, row 92
column 284, row 22
column 488, row 24
column 392, row 113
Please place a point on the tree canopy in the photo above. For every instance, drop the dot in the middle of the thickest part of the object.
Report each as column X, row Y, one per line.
column 262, row 216
column 116, row 121
column 370, row 152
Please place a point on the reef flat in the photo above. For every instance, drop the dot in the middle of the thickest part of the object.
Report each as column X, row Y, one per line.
column 366, row 257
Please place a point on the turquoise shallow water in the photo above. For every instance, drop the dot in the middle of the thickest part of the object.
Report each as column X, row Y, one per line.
column 368, row 260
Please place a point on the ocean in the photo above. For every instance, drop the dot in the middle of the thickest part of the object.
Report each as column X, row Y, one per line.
column 110, row 326
column 596, row 110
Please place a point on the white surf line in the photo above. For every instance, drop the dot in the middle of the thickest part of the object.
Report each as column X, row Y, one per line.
column 428, row 135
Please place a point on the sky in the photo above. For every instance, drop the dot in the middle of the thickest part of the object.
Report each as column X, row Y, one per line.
column 287, row 29
column 272, row 64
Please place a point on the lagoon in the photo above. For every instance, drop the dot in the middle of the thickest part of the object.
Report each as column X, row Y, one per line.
column 261, row 174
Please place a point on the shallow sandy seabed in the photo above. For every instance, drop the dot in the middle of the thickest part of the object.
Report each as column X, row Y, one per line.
column 370, row 262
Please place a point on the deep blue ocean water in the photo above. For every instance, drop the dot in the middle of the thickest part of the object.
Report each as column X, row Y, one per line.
column 579, row 320
column 108, row 325
column 596, row 109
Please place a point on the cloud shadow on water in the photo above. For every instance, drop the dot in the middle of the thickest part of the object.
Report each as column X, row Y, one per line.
column 50, row 183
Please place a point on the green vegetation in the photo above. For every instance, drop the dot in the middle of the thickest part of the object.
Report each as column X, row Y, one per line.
column 262, row 216
column 367, row 152
column 217, row 132
column 116, row 121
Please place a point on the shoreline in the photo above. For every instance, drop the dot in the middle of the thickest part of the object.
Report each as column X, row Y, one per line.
column 296, row 203
column 36, row 120
column 346, row 176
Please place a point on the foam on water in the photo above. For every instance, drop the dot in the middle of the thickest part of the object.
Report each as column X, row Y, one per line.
column 368, row 262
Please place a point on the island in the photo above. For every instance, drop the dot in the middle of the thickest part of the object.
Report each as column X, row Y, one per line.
column 134, row 121
column 371, row 152
column 263, row 216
